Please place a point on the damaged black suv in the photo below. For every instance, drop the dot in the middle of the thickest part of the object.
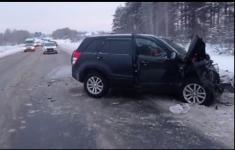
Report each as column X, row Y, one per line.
column 146, row 62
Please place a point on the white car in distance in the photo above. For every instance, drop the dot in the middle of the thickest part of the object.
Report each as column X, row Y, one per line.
column 50, row 48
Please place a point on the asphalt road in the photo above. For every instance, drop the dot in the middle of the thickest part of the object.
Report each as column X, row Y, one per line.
column 42, row 106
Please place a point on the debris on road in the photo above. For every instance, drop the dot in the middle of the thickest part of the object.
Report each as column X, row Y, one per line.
column 116, row 103
column 23, row 122
column 49, row 83
column 28, row 104
column 33, row 111
column 22, row 127
column 11, row 130
column 51, row 99
column 179, row 108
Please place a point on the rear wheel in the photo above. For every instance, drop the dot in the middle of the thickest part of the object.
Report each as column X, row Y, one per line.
column 194, row 92
column 95, row 85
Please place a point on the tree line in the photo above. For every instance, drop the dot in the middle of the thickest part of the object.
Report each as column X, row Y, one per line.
column 13, row 36
column 67, row 33
column 214, row 21
column 73, row 35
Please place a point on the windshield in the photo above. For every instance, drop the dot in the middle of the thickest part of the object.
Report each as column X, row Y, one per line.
column 28, row 43
column 178, row 48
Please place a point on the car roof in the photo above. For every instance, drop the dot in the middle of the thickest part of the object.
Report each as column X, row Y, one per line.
column 29, row 39
column 121, row 35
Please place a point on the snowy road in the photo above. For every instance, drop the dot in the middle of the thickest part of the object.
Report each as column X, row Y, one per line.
column 41, row 106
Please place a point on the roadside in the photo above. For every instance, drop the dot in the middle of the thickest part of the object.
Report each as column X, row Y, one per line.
column 216, row 121
column 41, row 105
column 9, row 50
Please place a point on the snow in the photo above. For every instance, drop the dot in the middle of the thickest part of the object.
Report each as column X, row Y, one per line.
column 9, row 50
column 60, row 72
column 215, row 121
column 68, row 46
column 225, row 61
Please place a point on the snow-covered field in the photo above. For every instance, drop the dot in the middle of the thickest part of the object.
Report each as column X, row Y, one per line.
column 9, row 50
column 68, row 46
column 224, row 61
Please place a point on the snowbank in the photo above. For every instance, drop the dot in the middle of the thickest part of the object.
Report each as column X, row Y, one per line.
column 9, row 50
column 225, row 61
column 68, row 46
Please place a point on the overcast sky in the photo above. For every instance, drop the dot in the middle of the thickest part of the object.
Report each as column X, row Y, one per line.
column 49, row 16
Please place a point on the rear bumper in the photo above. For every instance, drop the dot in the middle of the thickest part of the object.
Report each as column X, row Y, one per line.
column 50, row 52
column 75, row 73
column 29, row 50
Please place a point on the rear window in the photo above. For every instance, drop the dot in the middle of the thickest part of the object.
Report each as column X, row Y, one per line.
column 117, row 46
column 94, row 45
column 29, row 42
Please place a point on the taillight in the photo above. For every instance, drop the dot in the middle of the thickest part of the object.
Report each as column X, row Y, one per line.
column 76, row 56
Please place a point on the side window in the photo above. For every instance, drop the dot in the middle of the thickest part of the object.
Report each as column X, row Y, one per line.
column 94, row 45
column 117, row 46
column 148, row 47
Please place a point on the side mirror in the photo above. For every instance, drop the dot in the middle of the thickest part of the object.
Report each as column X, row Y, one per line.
column 173, row 55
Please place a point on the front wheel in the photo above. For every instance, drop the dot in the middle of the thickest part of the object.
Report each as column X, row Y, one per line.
column 194, row 92
column 95, row 85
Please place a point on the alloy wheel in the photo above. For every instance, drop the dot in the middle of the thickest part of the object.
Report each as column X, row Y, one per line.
column 95, row 85
column 194, row 93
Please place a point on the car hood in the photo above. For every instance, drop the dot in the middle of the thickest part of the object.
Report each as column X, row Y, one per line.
column 197, row 49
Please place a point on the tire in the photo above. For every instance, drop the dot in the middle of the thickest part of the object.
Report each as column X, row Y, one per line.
column 101, row 84
column 202, row 95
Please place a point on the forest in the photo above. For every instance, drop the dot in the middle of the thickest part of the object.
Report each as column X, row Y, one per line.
column 213, row 21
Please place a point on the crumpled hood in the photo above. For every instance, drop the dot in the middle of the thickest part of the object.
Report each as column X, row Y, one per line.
column 196, row 50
